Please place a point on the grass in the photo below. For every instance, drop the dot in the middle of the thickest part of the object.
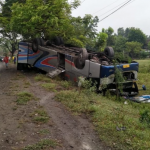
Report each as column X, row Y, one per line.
column 53, row 84
column 44, row 131
column 40, row 116
column 49, row 86
column 43, row 78
column 144, row 66
column 108, row 115
column 20, row 75
column 48, row 82
column 117, row 124
column 43, row 144
column 66, row 84
column 143, row 76
column 23, row 98
column 27, row 83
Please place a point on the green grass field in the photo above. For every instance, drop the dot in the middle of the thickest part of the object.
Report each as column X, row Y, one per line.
column 118, row 124
column 144, row 76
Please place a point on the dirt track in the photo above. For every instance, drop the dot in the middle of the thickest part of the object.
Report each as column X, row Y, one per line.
column 17, row 128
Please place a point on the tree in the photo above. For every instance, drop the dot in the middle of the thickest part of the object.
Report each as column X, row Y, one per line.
column 149, row 45
column 9, row 39
column 136, row 35
column 90, row 24
column 133, row 48
column 120, row 44
column 85, row 29
column 9, row 42
column 127, row 30
column 6, row 7
column 111, row 37
column 143, row 54
column 101, row 41
column 34, row 18
column 120, row 47
column 121, row 32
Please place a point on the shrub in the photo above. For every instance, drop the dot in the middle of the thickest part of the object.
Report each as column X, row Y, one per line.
column 145, row 117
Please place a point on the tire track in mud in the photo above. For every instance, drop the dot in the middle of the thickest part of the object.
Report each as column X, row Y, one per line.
column 76, row 132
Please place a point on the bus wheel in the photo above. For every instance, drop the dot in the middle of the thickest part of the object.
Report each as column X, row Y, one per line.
column 80, row 60
column 36, row 42
column 109, row 52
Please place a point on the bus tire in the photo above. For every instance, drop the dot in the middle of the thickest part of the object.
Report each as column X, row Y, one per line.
column 56, row 41
column 109, row 52
column 80, row 60
column 35, row 44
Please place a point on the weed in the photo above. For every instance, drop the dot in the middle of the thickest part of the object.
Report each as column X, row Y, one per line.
column 49, row 86
column 41, row 112
column 145, row 117
column 43, row 78
column 118, row 81
column 19, row 76
column 43, row 144
column 57, row 79
column 65, row 84
column 41, row 119
column 27, row 84
column 44, row 131
column 23, row 98
column 41, row 116
column 89, row 87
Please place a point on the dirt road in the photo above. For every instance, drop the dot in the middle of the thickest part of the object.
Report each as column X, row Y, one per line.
column 17, row 128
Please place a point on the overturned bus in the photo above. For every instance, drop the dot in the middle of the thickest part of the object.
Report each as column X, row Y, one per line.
column 55, row 58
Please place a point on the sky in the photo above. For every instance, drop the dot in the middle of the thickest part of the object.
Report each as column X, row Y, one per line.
column 134, row 14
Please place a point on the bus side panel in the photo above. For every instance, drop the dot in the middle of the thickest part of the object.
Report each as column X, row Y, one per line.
column 81, row 72
column 48, row 61
column 23, row 52
column 68, row 63
column 32, row 56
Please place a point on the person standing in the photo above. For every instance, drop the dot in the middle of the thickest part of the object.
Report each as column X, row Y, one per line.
column 6, row 60
column 14, row 59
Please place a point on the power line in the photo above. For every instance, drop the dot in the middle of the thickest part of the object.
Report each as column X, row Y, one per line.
column 112, row 9
column 116, row 10
column 105, row 7
column 130, row 2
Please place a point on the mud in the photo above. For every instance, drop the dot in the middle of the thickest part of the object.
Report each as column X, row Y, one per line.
column 17, row 128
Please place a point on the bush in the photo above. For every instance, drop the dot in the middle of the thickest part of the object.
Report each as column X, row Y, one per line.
column 75, row 42
column 143, row 54
column 145, row 117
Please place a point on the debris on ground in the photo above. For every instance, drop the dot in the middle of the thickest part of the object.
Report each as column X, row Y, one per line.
column 140, row 99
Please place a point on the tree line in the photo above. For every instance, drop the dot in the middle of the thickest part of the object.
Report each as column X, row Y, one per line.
column 28, row 19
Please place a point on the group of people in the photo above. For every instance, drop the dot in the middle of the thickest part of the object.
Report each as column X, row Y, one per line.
column 6, row 60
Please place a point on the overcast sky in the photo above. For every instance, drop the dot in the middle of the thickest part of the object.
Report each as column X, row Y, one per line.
column 135, row 14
